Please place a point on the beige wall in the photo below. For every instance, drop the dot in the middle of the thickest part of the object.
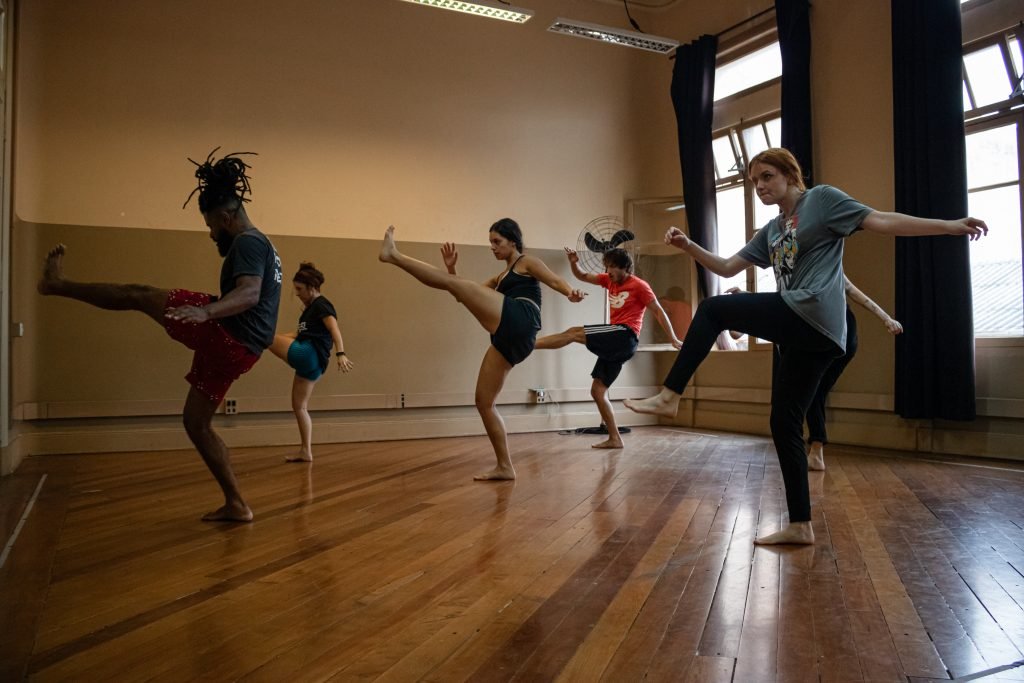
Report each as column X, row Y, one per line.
column 367, row 112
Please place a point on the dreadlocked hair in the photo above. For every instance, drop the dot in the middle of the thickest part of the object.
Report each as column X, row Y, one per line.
column 221, row 182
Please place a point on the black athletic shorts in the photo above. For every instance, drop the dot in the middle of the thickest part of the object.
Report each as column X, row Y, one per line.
column 613, row 345
column 517, row 331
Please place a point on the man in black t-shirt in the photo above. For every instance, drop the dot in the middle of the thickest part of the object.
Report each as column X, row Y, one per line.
column 228, row 333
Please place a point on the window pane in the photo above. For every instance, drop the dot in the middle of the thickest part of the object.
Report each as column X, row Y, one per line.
column 996, row 264
column 754, row 141
column 732, row 231
column 1018, row 63
column 725, row 159
column 992, row 156
column 987, row 72
column 748, row 71
column 967, row 99
column 774, row 132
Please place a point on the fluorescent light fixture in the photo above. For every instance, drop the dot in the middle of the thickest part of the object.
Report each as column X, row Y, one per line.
column 616, row 36
column 481, row 8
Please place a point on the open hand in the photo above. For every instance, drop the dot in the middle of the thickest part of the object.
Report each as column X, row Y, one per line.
column 571, row 254
column 974, row 228
column 449, row 254
column 576, row 295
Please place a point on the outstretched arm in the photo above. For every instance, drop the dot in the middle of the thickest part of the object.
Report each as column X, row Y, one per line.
column 726, row 267
column 902, row 225
column 666, row 324
column 537, row 268
column 891, row 324
column 331, row 323
column 574, row 263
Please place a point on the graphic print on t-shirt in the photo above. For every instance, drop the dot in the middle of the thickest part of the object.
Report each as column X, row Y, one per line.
column 784, row 250
column 617, row 300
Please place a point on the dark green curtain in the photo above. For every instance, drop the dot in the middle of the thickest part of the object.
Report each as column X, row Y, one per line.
column 693, row 90
column 935, row 354
column 794, row 25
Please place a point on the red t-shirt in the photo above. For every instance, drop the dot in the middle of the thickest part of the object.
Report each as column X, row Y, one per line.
column 627, row 301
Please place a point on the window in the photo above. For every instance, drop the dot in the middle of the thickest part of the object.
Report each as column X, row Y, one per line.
column 994, row 118
column 747, row 121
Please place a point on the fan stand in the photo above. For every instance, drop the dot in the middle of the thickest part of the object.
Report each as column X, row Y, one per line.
column 601, row 429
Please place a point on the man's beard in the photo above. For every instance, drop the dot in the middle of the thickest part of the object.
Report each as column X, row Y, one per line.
column 224, row 241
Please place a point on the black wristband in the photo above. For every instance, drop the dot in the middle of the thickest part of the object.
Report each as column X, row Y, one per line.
column 339, row 354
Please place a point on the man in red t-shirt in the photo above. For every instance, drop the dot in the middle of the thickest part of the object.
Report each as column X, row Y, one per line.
column 615, row 343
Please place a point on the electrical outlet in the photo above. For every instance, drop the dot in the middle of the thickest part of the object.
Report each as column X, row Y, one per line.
column 539, row 395
column 230, row 406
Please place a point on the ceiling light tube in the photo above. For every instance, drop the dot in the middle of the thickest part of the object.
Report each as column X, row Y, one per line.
column 481, row 8
column 615, row 36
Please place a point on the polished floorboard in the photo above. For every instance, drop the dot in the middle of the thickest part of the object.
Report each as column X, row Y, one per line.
column 385, row 561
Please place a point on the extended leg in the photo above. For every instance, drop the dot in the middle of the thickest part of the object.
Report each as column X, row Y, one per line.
column 483, row 302
column 302, row 389
column 557, row 341
column 599, row 392
column 113, row 297
column 198, row 416
column 493, row 371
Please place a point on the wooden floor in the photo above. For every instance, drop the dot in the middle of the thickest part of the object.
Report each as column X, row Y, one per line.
column 385, row 561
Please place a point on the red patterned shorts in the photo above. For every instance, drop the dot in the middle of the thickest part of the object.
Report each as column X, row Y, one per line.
column 219, row 358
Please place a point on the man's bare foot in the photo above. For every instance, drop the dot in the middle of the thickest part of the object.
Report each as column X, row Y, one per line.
column 799, row 533
column 665, row 404
column 497, row 474
column 53, row 270
column 816, row 458
column 608, row 443
column 388, row 250
column 229, row 513
column 301, row 457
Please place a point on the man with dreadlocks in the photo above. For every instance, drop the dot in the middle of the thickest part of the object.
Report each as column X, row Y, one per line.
column 228, row 333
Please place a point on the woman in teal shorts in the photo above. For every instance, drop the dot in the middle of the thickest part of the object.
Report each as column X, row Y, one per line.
column 308, row 350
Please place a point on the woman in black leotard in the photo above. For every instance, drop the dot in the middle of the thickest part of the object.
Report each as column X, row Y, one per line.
column 507, row 306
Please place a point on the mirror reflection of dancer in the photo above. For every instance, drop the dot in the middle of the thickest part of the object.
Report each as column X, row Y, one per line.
column 227, row 333
column 507, row 306
column 615, row 343
column 308, row 350
column 806, row 317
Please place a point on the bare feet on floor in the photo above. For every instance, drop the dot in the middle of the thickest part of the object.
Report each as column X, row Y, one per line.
column 665, row 404
column 301, row 457
column 816, row 458
column 497, row 474
column 388, row 250
column 229, row 513
column 799, row 533
column 608, row 443
column 53, row 270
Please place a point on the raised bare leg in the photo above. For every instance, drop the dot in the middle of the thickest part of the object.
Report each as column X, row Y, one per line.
column 797, row 533
column 666, row 403
column 557, row 341
column 113, row 297
column 493, row 371
column 279, row 347
column 483, row 302
column 302, row 389
column 816, row 457
column 198, row 416
column 599, row 392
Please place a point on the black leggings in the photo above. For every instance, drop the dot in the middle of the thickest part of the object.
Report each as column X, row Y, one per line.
column 803, row 356
column 816, row 413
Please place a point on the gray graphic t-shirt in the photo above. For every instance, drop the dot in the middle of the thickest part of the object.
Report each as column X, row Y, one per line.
column 806, row 252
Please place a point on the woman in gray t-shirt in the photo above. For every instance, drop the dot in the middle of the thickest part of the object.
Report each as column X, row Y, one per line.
column 806, row 317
